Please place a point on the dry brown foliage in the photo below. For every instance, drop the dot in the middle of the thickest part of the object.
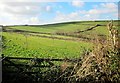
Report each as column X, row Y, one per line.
column 103, row 63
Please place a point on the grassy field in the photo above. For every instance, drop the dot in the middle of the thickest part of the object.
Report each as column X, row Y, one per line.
column 67, row 27
column 52, row 45
column 91, row 52
column 19, row 45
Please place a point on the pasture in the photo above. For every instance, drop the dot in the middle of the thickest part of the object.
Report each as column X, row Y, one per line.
column 61, row 52
column 52, row 40
column 31, row 46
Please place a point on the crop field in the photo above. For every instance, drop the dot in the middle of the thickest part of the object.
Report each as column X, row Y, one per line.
column 64, row 27
column 60, row 51
column 17, row 45
column 50, row 43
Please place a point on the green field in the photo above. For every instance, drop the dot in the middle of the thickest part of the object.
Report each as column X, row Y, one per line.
column 17, row 45
column 66, row 27
column 52, row 45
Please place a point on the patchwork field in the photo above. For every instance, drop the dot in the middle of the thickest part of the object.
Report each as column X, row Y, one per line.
column 61, row 40
column 61, row 52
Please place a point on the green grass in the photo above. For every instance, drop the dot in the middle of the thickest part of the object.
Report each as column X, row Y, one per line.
column 101, row 30
column 51, row 35
column 68, row 27
column 52, row 48
column 16, row 45
column 51, row 29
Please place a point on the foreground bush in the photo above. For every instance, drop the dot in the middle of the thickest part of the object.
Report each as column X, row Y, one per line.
column 103, row 63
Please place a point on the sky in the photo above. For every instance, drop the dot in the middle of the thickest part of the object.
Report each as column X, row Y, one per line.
column 16, row 12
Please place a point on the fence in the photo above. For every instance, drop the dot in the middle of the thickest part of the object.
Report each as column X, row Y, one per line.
column 14, row 66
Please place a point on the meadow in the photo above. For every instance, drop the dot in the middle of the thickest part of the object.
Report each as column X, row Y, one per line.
column 66, row 27
column 52, row 45
column 18, row 45
column 89, row 51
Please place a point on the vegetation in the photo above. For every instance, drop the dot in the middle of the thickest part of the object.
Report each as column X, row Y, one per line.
column 66, row 27
column 32, row 46
column 103, row 63
column 97, row 51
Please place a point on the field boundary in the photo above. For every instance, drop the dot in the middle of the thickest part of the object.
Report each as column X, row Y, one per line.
column 12, row 67
column 10, row 61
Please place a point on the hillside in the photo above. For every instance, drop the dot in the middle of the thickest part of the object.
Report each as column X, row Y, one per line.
column 87, row 51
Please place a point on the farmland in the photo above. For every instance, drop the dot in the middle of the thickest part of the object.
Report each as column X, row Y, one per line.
column 62, row 27
column 45, row 42
column 61, row 52
column 41, row 47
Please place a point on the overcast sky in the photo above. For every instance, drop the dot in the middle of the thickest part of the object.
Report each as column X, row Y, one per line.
column 52, row 11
